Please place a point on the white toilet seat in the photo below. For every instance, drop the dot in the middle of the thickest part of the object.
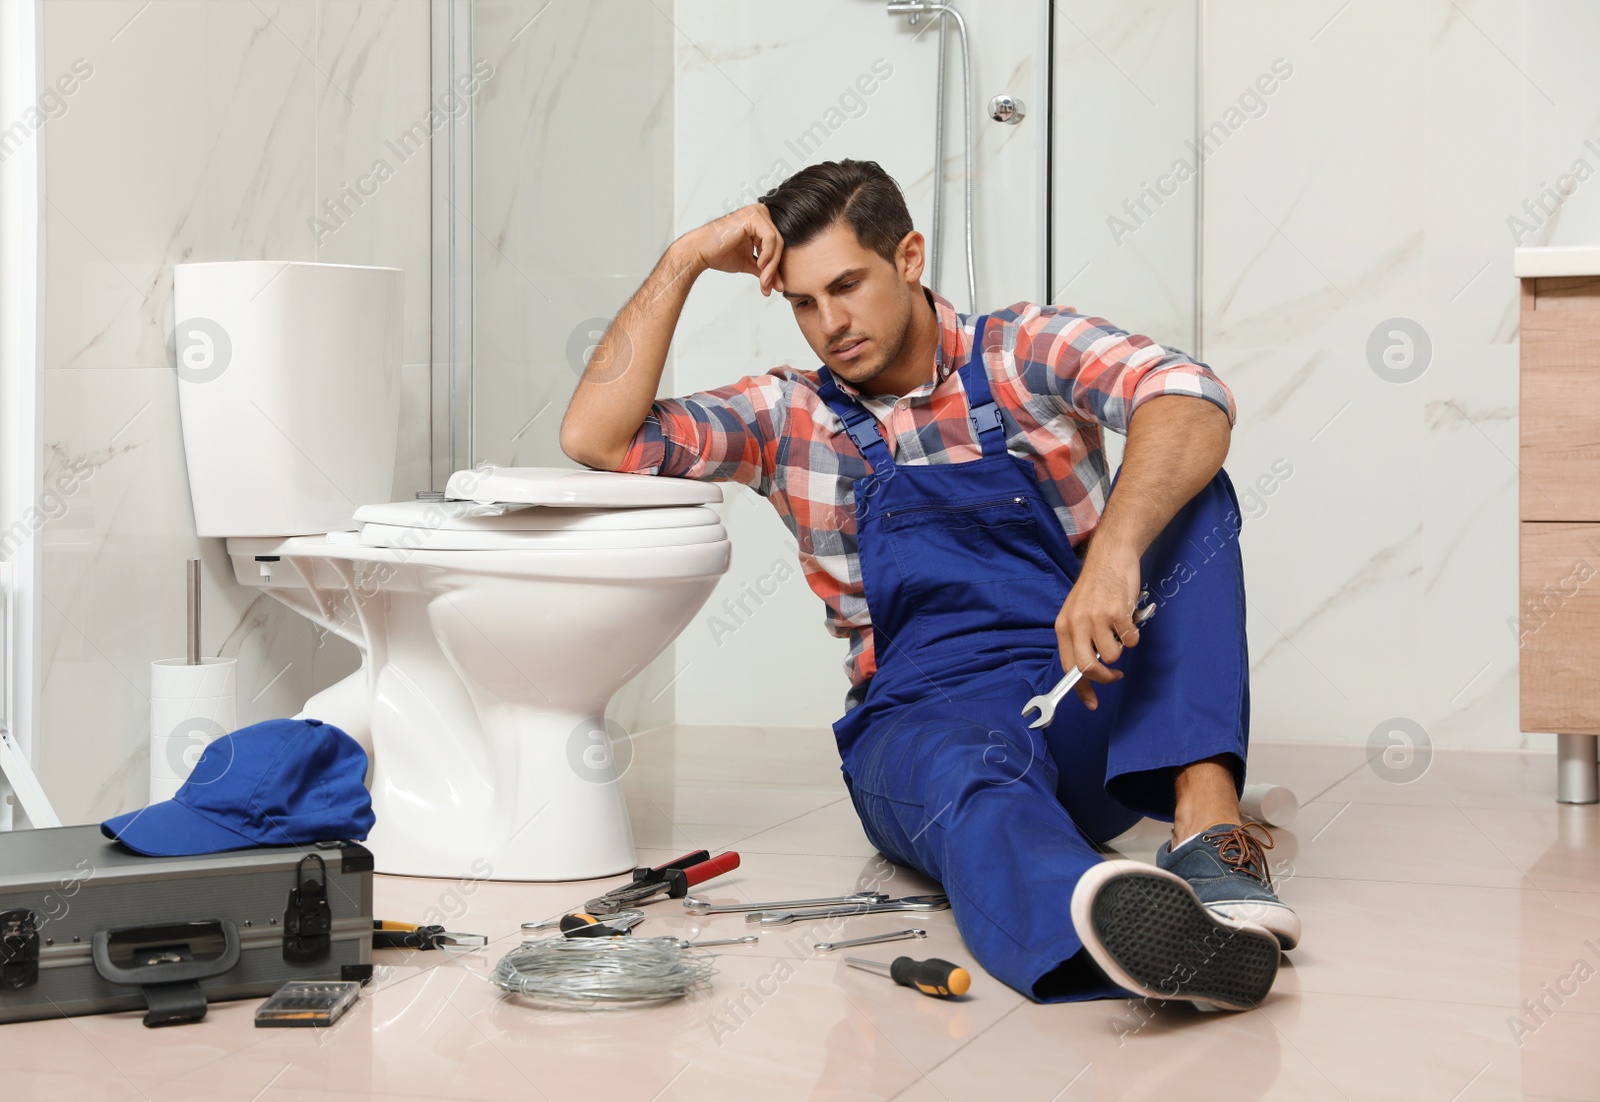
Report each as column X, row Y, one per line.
column 465, row 526
column 437, row 539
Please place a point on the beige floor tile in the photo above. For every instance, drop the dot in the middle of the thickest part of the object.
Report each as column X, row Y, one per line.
column 406, row 1037
column 1445, row 943
column 1306, row 769
column 717, row 817
column 59, row 1059
column 776, row 1028
column 1557, row 847
column 834, row 830
column 1524, row 779
column 1115, row 1049
column 275, row 1093
column 1451, row 951
column 1424, row 845
column 1407, row 1049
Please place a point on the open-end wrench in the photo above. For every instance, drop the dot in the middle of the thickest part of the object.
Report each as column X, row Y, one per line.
column 750, row 940
column 909, row 903
column 699, row 906
column 1046, row 702
column 871, row 939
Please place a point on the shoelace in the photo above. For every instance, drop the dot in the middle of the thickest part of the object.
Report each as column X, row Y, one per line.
column 1243, row 851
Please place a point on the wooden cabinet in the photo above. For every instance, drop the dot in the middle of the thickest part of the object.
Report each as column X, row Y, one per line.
column 1560, row 627
column 1559, row 501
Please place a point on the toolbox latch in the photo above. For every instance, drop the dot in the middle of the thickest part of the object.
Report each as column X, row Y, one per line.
column 354, row 858
column 19, row 950
column 308, row 921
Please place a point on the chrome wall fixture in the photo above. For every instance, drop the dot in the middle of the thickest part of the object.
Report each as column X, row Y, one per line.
column 914, row 10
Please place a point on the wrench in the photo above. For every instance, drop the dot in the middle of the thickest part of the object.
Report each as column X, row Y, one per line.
column 1046, row 702
column 898, row 935
column 909, row 903
column 699, row 906
column 751, row 940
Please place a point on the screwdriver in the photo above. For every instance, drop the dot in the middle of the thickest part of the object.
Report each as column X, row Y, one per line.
column 582, row 924
column 933, row 976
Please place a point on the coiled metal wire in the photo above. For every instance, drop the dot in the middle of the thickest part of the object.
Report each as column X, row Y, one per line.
column 603, row 971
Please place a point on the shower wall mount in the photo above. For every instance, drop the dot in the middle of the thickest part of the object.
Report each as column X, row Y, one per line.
column 1007, row 109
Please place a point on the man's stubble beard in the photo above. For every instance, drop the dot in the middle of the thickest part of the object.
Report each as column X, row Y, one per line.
column 892, row 356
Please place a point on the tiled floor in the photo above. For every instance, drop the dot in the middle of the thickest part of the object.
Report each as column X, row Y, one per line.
column 1432, row 911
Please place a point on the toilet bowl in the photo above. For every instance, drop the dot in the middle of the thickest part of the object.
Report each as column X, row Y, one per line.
column 490, row 649
column 494, row 626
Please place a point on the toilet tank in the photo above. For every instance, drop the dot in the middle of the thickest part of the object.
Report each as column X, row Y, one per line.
column 288, row 392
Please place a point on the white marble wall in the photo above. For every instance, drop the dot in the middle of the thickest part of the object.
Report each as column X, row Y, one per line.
column 1378, row 185
column 208, row 130
column 1125, row 92
column 572, row 197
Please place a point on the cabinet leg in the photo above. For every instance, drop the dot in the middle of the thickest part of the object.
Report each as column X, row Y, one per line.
column 1576, row 778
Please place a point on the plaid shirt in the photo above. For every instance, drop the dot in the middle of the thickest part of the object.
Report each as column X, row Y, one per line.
column 1058, row 377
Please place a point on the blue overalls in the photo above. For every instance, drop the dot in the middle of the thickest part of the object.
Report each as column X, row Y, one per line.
column 965, row 567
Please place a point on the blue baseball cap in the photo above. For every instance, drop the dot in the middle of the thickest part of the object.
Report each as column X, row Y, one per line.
column 283, row 782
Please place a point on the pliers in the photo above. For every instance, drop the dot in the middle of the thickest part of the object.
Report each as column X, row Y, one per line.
column 672, row 880
column 407, row 935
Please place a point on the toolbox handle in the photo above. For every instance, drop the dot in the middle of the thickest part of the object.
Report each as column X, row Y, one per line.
column 178, row 972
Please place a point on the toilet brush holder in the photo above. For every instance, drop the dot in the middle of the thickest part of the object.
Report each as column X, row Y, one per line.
column 190, row 706
column 191, row 703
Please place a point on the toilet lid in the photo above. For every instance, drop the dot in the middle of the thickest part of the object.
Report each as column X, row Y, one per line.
column 576, row 487
column 467, row 516
column 465, row 526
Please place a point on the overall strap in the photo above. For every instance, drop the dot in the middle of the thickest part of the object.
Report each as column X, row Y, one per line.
column 861, row 425
column 982, row 409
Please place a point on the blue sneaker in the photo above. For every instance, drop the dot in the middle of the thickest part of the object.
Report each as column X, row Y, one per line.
column 1227, row 868
column 1150, row 934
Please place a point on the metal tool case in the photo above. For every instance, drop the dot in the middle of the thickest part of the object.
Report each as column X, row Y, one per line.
column 89, row 927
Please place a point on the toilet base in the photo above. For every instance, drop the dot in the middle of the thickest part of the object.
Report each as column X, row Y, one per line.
column 543, row 804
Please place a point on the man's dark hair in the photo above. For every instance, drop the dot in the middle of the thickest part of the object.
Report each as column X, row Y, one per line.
column 859, row 193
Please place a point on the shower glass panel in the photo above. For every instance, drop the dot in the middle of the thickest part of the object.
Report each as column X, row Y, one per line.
column 571, row 191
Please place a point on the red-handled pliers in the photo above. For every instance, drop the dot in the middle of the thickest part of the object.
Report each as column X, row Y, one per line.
column 670, row 881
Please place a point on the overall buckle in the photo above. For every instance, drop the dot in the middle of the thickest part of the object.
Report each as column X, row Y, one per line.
column 864, row 433
column 984, row 418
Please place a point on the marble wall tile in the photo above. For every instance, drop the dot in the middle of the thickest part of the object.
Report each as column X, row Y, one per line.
column 1125, row 178
column 1380, row 185
column 373, row 104
column 572, row 202
column 204, row 133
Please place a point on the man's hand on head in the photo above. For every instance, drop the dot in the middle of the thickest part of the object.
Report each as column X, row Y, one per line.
column 744, row 241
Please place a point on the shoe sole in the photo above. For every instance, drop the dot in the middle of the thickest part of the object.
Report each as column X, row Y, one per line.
column 1151, row 934
column 1276, row 918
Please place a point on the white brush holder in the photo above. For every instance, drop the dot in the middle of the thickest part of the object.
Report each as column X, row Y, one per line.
column 190, row 706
